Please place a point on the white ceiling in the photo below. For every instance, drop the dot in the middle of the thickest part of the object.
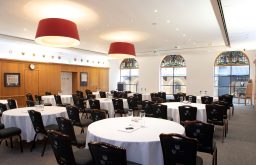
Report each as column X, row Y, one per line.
column 176, row 24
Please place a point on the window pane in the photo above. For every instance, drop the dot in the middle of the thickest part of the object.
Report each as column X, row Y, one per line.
column 223, row 91
column 179, row 88
column 134, row 72
column 179, row 80
column 180, row 71
column 222, row 70
column 240, row 70
column 166, row 71
column 167, row 89
column 166, row 80
column 224, row 81
column 125, row 72
column 134, row 80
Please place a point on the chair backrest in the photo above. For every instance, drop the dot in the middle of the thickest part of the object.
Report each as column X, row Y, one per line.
column 162, row 95
column 11, row 103
column 91, row 96
column 103, row 94
column 37, row 121
column 98, row 115
column 152, row 95
column 79, row 103
column 203, row 132
column 3, row 108
column 146, row 105
column 30, row 103
column 62, row 148
column 215, row 114
column 48, row 93
column 179, row 96
column 192, row 98
column 206, row 100
column 80, row 94
column 249, row 89
column 132, row 102
column 227, row 98
column 94, row 104
column 178, row 149
column 138, row 96
column 29, row 97
column 118, row 104
column 73, row 115
column 226, row 104
column 103, row 153
column 66, row 127
column 38, row 98
column 58, row 99
column 187, row 113
column 159, row 111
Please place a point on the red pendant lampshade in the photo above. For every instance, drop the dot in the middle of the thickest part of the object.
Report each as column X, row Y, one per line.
column 57, row 32
column 121, row 50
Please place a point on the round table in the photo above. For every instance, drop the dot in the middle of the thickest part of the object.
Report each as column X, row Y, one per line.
column 173, row 110
column 142, row 145
column 19, row 117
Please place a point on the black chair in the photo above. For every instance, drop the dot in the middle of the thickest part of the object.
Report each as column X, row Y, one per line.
column 66, row 127
column 39, row 128
column 98, row 115
column 132, row 103
column 154, row 96
column 146, row 106
column 80, row 94
column 119, row 107
column 215, row 115
column 91, row 96
column 38, row 99
column 203, row 132
column 10, row 132
column 48, row 93
column 179, row 149
column 179, row 97
column 191, row 98
column 225, row 113
column 63, row 152
column 73, row 115
column 29, row 97
column 103, row 94
column 11, row 103
column 187, row 112
column 95, row 104
column 81, row 105
column 88, row 92
column 229, row 99
column 3, row 108
column 159, row 111
column 59, row 102
column 206, row 100
column 30, row 103
column 107, row 154
column 138, row 97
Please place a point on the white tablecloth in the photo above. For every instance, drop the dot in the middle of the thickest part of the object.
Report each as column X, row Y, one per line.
column 106, row 103
column 173, row 111
column 142, row 145
column 20, row 118
column 66, row 99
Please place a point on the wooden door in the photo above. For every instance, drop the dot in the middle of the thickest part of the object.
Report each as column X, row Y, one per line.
column 32, row 81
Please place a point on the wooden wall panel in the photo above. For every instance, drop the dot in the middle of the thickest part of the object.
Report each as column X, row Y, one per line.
column 50, row 78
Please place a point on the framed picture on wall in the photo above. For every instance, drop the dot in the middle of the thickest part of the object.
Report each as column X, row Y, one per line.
column 11, row 79
column 83, row 78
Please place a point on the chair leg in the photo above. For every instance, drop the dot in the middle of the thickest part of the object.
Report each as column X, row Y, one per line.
column 33, row 143
column 11, row 142
column 216, row 157
column 21, row 147
column 223, row 133
column 45, row 143
column 233, row 110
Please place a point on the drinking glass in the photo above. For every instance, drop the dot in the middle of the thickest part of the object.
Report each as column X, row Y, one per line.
column 130, row 113
column 142, row 116
column 190, row 99
column 181, row 99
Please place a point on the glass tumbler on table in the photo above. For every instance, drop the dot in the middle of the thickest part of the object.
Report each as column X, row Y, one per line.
column 142, row 116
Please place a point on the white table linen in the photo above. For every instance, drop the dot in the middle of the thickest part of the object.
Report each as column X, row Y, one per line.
column 66, row 99
column 19, row 117
column 6, row 103
column 173, row 110
column 142, row 145
column 106, row 103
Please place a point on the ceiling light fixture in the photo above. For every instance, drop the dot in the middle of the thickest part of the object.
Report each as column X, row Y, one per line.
column 57, row 32
column 121, row 50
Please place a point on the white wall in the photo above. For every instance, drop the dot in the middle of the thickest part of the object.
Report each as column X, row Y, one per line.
column 200, row 71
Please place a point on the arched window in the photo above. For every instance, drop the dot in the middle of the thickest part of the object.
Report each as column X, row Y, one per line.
column 129, row 74
column 232, row 71
column 173, row 74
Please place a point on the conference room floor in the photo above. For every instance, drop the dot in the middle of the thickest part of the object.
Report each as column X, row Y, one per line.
column 238, row 148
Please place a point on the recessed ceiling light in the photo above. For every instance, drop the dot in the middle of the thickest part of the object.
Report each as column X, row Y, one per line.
column 168, row 21
column 25, row 29
column 184, row 35
column 154, row 23
column 155, row 10
column 177, row 29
